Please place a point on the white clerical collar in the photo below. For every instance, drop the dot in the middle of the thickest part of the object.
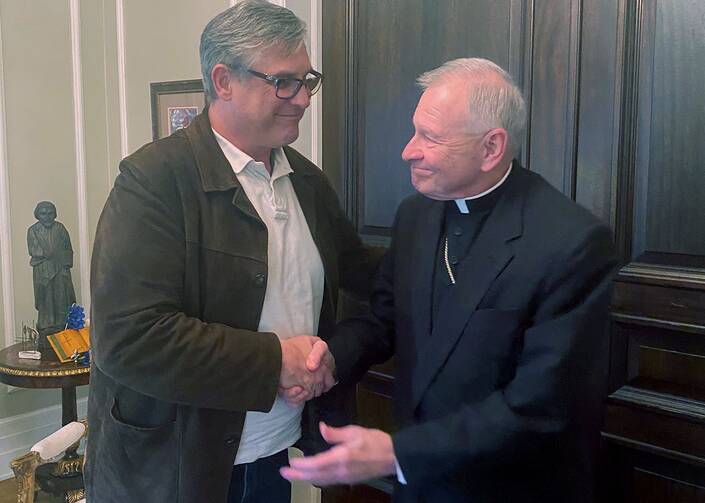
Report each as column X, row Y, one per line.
column 462, row 203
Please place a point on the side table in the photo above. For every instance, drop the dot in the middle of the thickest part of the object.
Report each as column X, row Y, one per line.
column 66, row 474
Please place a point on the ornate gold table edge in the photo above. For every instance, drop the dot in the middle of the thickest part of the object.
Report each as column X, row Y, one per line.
column 45, row 373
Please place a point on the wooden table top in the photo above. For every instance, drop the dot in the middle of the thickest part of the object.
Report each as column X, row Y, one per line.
column 45, row 373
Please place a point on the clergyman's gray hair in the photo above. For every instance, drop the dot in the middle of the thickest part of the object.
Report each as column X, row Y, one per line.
column 238, row 35
column 495, row 101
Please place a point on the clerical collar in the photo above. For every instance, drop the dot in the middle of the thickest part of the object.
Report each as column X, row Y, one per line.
column 462, row 203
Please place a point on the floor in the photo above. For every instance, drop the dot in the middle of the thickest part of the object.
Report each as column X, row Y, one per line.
column 301, row 493
column 8, row 493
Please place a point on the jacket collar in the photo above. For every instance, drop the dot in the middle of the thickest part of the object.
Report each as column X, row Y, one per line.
column 214, row 170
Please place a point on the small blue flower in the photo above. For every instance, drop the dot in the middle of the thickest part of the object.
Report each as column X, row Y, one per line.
column 76, row 318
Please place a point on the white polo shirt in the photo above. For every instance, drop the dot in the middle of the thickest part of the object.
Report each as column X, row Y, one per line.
column 295, row 278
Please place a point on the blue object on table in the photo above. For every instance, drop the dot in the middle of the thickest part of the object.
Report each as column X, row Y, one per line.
column 76, row 317
column 83, row 358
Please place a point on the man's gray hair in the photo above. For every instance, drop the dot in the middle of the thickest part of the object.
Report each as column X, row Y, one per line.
column 495, row 101
column 238, row 35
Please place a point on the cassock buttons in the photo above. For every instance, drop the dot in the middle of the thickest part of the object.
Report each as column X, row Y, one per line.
column 260, row 279
column 457, row 231
column 453, row 260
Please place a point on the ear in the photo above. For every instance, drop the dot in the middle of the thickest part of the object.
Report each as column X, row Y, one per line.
column 222, row 76
column 494, row 146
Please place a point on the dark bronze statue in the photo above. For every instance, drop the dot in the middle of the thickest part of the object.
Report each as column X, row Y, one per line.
column 51, row 258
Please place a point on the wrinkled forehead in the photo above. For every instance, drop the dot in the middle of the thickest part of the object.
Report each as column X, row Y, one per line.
column 444, row 104
column 281, row 60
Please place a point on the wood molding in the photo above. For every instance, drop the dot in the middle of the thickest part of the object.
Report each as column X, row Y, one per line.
column 122, row 79
column 573, row 99
column 627, row 131
column 521, row 62
column 663, row 275
column 8, row 297
column 315, row 49
column 662, row 403
column 352, row 178
column 644, row 321
column 80, row 149
column 653, row 449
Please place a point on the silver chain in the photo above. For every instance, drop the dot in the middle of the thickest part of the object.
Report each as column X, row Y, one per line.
column 445, row 256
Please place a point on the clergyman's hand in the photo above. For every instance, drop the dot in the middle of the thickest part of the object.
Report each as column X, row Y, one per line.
column 357, row 454
column 321, row 366
column 295, row 351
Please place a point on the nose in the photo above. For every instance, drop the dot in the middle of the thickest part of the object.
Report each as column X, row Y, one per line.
column 411, row 151
column 301, row 98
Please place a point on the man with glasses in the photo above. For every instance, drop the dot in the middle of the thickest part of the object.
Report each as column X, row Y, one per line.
column 217, row 259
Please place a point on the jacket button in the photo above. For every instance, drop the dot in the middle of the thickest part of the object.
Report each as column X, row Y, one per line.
column 260, row 279
column 230, row 440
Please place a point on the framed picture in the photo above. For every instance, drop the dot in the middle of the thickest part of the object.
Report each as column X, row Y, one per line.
column 174, row 105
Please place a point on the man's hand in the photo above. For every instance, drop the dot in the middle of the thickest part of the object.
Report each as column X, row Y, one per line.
column 358, row 454
column 321, row 364
column 307, row 369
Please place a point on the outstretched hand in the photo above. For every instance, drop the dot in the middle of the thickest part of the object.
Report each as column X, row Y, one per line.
column 357, row 454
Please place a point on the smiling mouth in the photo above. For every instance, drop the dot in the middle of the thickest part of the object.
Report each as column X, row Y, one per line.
column 291, row 116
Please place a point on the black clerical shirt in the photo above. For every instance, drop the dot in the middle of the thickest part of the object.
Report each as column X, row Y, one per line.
column 462, row 230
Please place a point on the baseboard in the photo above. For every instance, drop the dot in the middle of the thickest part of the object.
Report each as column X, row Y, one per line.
column 19, row 433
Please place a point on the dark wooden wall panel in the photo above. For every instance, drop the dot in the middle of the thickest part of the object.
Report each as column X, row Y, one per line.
column 387, row 91
column 553, row 92
column 396, row 48
column 673, row 72
column 598, row 119
column 334, row 41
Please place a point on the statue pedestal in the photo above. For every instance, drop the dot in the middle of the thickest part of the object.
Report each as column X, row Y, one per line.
column 42, row 342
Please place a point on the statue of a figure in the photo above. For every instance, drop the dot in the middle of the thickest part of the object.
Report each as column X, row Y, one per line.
column 51, row 258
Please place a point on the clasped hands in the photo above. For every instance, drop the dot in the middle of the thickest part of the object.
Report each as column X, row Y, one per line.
column 358, row 453
column 307, row 369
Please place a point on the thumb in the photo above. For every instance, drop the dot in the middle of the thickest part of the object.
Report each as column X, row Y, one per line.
column 335, row 435
column 315, row 357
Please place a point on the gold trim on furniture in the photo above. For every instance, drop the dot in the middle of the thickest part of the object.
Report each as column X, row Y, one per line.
column 45, row 373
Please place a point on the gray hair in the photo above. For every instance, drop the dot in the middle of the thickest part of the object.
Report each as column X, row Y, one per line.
column 238, row 35
column 495, row 101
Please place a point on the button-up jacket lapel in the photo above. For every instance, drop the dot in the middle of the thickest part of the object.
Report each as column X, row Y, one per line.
column 213, row 168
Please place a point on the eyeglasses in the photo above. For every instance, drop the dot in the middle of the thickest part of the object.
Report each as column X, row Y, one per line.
column 288, row 87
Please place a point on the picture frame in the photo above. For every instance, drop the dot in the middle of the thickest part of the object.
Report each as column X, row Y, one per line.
column 174, row 105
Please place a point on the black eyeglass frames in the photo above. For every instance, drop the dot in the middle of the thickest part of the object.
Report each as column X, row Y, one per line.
column 287, row 87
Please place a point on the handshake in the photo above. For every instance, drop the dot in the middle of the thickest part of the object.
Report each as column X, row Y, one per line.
column 307, row 369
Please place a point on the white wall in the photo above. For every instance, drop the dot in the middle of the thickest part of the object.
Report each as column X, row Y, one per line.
column 74, row 100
